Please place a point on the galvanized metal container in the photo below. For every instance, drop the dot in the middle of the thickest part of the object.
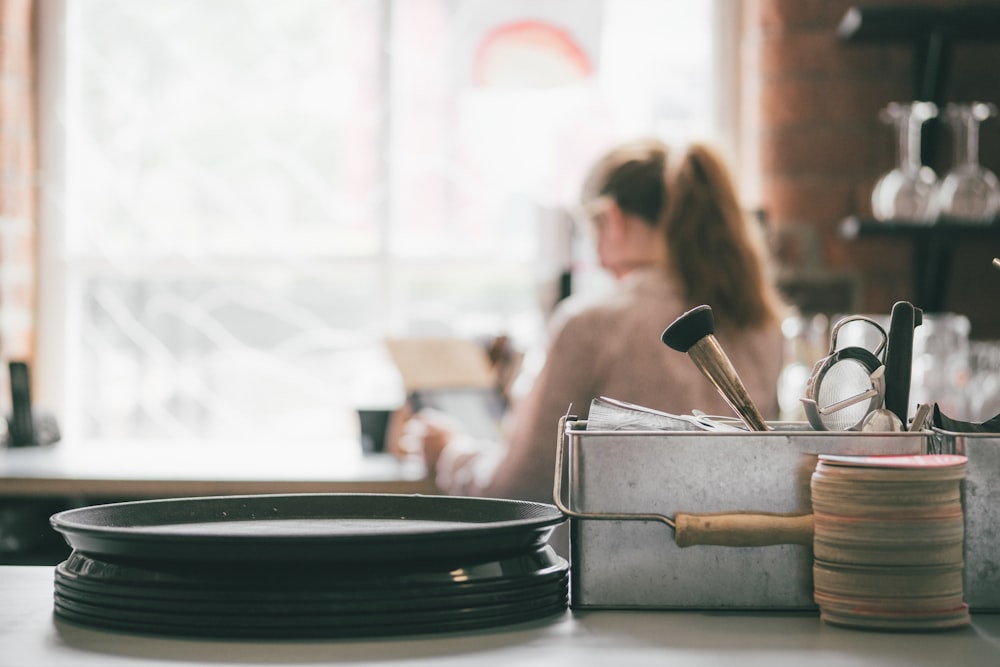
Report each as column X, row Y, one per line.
column 981, row 507
column 620, row 560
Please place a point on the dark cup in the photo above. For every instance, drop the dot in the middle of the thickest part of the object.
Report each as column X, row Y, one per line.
column 374, row 425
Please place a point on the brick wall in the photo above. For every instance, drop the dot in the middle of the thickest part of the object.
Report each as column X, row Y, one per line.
column 821, row 148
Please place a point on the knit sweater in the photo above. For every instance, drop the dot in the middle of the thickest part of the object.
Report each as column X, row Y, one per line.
column 608, row 347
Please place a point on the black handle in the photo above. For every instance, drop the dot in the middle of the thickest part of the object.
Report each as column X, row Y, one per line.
column 899, row 358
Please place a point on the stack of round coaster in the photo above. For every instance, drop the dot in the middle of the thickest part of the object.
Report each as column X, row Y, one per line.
column 888, row 541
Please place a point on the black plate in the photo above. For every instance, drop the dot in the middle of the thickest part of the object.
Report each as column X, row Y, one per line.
column 305, row 584
column 328, row 528
column 319, row 626
column 389, row 618
column 360, row 607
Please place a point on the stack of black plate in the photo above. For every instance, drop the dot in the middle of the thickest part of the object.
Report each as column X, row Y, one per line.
column 309, row 565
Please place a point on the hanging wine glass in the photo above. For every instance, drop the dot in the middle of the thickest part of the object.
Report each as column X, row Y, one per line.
column 907, row 192
column 969, row 192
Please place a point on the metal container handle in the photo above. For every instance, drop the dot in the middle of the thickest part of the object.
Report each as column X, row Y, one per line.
column 731, row 529
column 605, row 516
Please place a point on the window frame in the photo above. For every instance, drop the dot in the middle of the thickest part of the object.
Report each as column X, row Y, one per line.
column 54, row 371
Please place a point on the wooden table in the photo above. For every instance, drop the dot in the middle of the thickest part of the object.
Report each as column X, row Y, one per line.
column 194, row 468
column 36, row 482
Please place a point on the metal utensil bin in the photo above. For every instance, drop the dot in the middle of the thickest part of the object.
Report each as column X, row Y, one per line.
column 618, row 482
column 981, row 506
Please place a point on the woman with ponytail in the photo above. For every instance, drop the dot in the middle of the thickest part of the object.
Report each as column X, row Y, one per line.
column 671, row 230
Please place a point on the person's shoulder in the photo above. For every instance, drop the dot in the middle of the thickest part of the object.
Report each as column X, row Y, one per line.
column 583, row 311
column 644, row 294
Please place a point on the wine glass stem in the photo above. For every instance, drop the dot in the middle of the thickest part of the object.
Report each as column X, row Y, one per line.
column 967, row 141
column 909, row 143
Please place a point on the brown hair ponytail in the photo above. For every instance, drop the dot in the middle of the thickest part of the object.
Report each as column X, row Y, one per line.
column 713, row 249
column 715, row 253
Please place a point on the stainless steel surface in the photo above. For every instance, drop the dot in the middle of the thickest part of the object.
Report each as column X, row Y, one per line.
column 629, row 561
column 729, row 529
column 981, row 504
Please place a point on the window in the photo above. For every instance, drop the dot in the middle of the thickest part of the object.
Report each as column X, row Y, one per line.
column 241, row 198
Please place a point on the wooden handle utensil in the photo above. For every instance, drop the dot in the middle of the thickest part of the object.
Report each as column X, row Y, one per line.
column 743, row 529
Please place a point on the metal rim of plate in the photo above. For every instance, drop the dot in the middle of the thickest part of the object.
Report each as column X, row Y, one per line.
column 313, row 527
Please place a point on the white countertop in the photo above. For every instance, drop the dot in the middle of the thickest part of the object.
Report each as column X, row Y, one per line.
column 31, row 637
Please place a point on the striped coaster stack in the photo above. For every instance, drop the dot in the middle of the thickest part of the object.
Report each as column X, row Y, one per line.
column 888, row 541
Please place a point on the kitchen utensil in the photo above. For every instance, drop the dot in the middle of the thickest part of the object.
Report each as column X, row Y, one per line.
column 921, row 418
column 847, row 384
column 940, row 420
column 734, row 529
column 899, row 358
column 881, row 419
column 332, row 528
column 694, row 334
column 729, row 529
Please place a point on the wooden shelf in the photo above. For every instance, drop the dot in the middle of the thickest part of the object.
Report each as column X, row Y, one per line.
column 933, row 33
column 932, row 248
column 855, row 227
column 914, row 23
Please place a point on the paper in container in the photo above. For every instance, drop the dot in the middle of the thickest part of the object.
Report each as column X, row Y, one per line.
column 623, row 489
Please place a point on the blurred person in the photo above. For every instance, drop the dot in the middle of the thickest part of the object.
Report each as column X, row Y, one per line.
column 671, row 231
